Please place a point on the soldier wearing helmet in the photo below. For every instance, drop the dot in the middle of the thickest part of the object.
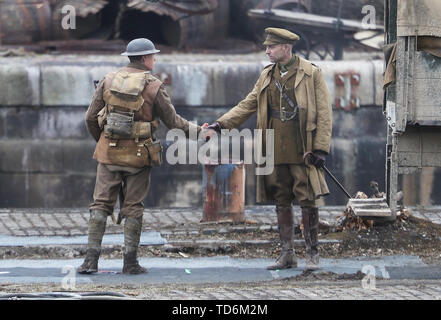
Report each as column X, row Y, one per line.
column 122, row 118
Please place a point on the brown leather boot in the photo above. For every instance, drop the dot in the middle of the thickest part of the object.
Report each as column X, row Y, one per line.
column 310, row 219
column 287, row 258
column 131, row 264
column 132, row 236
column 97, row 227
column 90, row 264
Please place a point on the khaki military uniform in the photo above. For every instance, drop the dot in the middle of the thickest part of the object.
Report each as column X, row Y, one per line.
column 156, row 105
column 310, row 130
column 288, row 181
column 122, row 117
column 297, row 131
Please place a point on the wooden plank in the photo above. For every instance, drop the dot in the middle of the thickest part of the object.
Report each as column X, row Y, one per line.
column 368, row 200
column 371, row 207
column 373, row 212
column 401, row 86
column 416, row 159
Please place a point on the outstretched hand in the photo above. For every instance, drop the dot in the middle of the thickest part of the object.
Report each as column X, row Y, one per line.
column 211, row 130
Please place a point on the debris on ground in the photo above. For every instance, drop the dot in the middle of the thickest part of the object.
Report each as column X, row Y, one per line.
column 309, row 275
column 349, row 221
column 403, row 214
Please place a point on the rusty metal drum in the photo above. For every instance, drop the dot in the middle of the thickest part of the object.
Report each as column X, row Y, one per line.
column 24, row 21
column 88, row 18
column 195, row 29
column 224, row 193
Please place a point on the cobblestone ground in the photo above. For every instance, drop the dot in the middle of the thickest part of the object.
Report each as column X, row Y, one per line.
column 274, row 290
column 73, row 222
column 403, row 290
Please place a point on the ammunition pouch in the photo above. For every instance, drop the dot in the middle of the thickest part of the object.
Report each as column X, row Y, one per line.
column 136, row 156
column 102, row 115
column 143, row 153
column 155, row 152
column 119, row 125
column 139, row 130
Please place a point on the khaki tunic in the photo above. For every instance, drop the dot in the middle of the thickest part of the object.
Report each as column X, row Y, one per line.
column 157, row 103
column 109, row 177
column 288, row 145
column 315, row 120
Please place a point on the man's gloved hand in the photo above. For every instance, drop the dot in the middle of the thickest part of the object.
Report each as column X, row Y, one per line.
column 316, row 158
column 216, row 127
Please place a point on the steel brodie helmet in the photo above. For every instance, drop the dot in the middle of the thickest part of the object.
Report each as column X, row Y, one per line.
column 140, row 47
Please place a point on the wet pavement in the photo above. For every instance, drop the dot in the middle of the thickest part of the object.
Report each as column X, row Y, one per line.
column 219, row 269
column 147, row 238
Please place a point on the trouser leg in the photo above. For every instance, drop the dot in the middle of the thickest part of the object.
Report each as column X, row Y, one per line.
column 106, row 190
column 136, row 187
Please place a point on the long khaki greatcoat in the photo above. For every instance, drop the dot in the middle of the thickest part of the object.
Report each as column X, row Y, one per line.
column 315, row 116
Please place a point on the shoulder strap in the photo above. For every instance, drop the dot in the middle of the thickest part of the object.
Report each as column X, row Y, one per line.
column 284, row 95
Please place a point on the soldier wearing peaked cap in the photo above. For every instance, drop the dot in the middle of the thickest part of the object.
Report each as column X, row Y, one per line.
column 290, row 97
column 279, row 36
column 122, row 118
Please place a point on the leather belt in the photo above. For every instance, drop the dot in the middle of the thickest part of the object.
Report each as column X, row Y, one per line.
column 276, row 114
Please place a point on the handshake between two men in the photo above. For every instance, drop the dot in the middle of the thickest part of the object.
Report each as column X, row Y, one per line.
column 315, row 158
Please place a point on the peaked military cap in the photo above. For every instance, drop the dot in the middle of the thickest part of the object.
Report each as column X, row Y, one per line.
column 279, row 36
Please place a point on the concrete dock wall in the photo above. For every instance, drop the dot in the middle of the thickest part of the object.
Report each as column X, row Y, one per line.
column 46, row 152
